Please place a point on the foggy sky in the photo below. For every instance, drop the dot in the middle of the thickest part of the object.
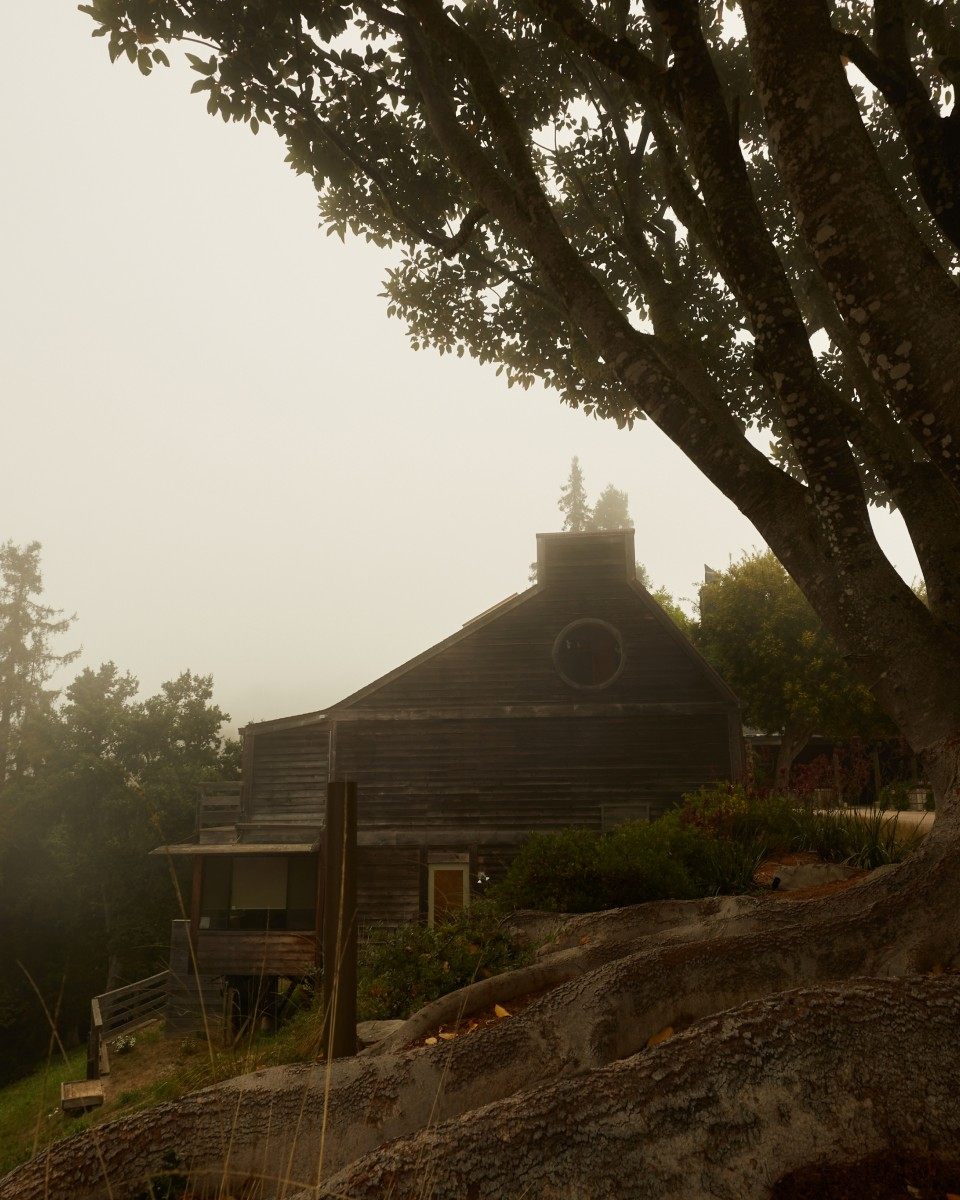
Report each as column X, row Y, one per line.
column 234, row 462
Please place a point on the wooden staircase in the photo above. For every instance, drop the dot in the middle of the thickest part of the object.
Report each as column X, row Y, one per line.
column 194, row 1004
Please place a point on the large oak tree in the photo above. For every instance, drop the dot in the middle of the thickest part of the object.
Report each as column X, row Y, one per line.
column 720, row 221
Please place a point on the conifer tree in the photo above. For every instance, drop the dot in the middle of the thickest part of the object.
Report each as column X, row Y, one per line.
column 611, row 510
column 27, row 660
column 577, row 515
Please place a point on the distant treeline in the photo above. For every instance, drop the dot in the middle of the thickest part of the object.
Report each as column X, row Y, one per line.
column 91, row 779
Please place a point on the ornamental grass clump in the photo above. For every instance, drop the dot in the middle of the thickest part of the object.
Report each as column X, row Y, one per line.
column 776, row 824
column 863, row 840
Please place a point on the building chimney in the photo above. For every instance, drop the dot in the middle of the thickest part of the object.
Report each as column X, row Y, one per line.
column 569, row 557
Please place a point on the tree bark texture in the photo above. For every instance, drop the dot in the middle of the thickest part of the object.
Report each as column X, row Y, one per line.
column 722, row 1110
column 885, row 281
column 792, row 742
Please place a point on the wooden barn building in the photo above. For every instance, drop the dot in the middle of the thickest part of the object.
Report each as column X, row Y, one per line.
column 577, row 702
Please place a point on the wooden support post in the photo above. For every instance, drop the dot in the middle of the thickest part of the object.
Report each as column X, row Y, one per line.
column 196, row 893
column 94, row 1039
column 340, row 921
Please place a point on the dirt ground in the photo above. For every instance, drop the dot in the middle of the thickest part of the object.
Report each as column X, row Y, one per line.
column 765, row 873
column 151, row 1059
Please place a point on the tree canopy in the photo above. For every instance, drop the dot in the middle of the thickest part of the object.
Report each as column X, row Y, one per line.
column 761, row 634
column 612, row 510
column 653, row 208
column 104, row 777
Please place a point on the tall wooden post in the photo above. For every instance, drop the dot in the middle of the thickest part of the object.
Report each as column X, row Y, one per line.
column 340, row 921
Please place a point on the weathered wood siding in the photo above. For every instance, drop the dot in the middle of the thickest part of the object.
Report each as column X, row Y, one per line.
column 388, row 885
column 277, row 952
column 510, row 661
column 515, row 776
column 290, row 775
column 219, row 810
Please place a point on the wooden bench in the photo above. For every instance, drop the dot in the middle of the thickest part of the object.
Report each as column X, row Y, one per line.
column 81, row 1096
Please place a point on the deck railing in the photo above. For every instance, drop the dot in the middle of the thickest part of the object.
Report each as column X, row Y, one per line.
column 119, row 1011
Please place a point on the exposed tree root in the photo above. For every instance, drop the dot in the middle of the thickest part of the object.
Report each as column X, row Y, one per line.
column 723, row 1110
column 302, row 1123
column 570, row 946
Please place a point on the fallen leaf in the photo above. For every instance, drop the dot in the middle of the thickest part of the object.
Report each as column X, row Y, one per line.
column 937, row 969
column 448, row 1037
column 664, row 1035
column 500, row 1011
column 431, row 1041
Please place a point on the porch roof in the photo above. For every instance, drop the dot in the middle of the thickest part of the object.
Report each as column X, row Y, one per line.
column 193, row 848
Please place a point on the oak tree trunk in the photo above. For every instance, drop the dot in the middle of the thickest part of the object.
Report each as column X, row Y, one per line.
column 792, row 741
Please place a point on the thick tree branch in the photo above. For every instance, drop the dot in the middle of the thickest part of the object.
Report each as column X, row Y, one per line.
column 885, row 281
column 715, row 439
column 931, row 140
column 927, row 501
column 748, row 258
column 753, row 269
column 618, row 55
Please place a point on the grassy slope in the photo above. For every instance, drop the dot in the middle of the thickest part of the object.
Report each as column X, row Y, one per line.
column 31, row 1106
column 157, row 1069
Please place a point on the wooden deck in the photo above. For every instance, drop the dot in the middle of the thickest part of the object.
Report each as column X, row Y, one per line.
column 270, row 952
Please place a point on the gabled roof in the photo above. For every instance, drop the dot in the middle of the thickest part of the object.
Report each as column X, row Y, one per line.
column 678, row 635
column 487, row 617
column 468, row 629
column 497, row 611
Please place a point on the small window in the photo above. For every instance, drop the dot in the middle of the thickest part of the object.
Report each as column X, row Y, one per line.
column 215, row 893
column 259, row 884
column 448, row 890
column 589, row 654
column 302, row 892
column 257, row 892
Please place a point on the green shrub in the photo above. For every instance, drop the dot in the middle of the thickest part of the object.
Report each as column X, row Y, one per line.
column 554, row 872
column 734, row 812
column 579, row 870
column 776, row 824
column 896, row 795
column 401, row 969
column 711, row 845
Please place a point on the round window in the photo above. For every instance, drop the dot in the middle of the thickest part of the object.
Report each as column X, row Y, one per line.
column 589, row 654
